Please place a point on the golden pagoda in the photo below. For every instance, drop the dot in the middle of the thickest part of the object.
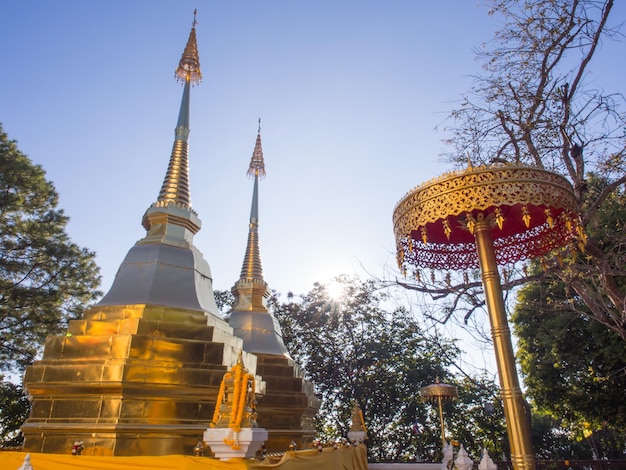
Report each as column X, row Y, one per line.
column 140, row 372
column 288, row 406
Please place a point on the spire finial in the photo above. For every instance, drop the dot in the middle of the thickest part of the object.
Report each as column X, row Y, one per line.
column 257, row 166
column 189, row 65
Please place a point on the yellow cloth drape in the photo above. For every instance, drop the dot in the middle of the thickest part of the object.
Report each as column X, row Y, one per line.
column 353, row 458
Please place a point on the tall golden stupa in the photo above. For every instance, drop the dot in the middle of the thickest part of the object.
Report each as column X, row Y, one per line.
column 140, row 372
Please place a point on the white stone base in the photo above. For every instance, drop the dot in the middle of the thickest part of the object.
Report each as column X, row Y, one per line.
column 250, row 441
column 357, row 436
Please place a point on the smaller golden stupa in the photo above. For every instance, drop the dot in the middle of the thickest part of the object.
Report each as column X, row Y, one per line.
column 358, row 423
column 288, row 404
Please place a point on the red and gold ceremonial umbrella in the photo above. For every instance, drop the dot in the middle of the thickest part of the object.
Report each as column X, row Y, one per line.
column 482, row 217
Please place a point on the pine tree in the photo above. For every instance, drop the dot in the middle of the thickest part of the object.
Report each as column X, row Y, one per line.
column 45, row 279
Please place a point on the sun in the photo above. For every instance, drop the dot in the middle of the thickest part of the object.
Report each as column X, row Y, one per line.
column 335, row 289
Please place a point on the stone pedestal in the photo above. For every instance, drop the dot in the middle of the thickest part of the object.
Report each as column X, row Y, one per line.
column 357, row 436
column 249, row 441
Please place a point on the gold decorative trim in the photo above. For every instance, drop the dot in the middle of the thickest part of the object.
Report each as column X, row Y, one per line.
column 532, row 212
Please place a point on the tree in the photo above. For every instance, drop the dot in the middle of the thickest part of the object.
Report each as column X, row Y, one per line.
column 45, row 279
column 535, row 103
column 14, row 409
column 574, row 369
column 364, row 347
column 554, row 440
column 224, row 300
column 476, row 418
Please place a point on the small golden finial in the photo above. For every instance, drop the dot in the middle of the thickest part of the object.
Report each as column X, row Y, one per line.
column 499, row 217
column 446, row 228
column 526, row 216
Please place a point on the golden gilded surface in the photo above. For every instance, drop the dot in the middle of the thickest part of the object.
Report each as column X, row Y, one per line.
column 129, row 385
column 438, row 390
column 479, row 188
column 158, row 221
column 257, row 165
column 357, row 423
column 517, row 423
column 176, row 183
column 251, row 268
column 345, row 458
column 235, row 408
column 143, row 380
column 139, row 374
column 288, row 406
column 250, row 318
column 530, row 207
column 438, row 393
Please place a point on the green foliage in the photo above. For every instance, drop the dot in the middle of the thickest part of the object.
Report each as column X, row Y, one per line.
column 574, row 368
column 476, row 418
column 14, row 409
column 224, row 300
column 552, row 441
column 364, row 347
column 45, row 279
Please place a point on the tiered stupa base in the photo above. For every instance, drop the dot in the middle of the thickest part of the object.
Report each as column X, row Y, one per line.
column 289, row 405
column 134, row 380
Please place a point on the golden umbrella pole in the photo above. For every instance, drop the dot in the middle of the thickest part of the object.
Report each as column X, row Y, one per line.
column 512, row 399
column 439, row 392
column 443, row 426
column 483, row 217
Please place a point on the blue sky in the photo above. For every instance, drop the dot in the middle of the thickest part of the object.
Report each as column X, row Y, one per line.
column 350, row 93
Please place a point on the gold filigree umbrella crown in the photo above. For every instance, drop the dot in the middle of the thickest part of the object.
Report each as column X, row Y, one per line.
column 532, row 212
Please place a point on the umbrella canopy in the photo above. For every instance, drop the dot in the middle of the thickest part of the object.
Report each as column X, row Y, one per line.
column 532, row 212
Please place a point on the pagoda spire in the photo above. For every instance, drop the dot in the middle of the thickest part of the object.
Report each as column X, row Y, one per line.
column 175, row 189
column 252, row 269
column 250, row 318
